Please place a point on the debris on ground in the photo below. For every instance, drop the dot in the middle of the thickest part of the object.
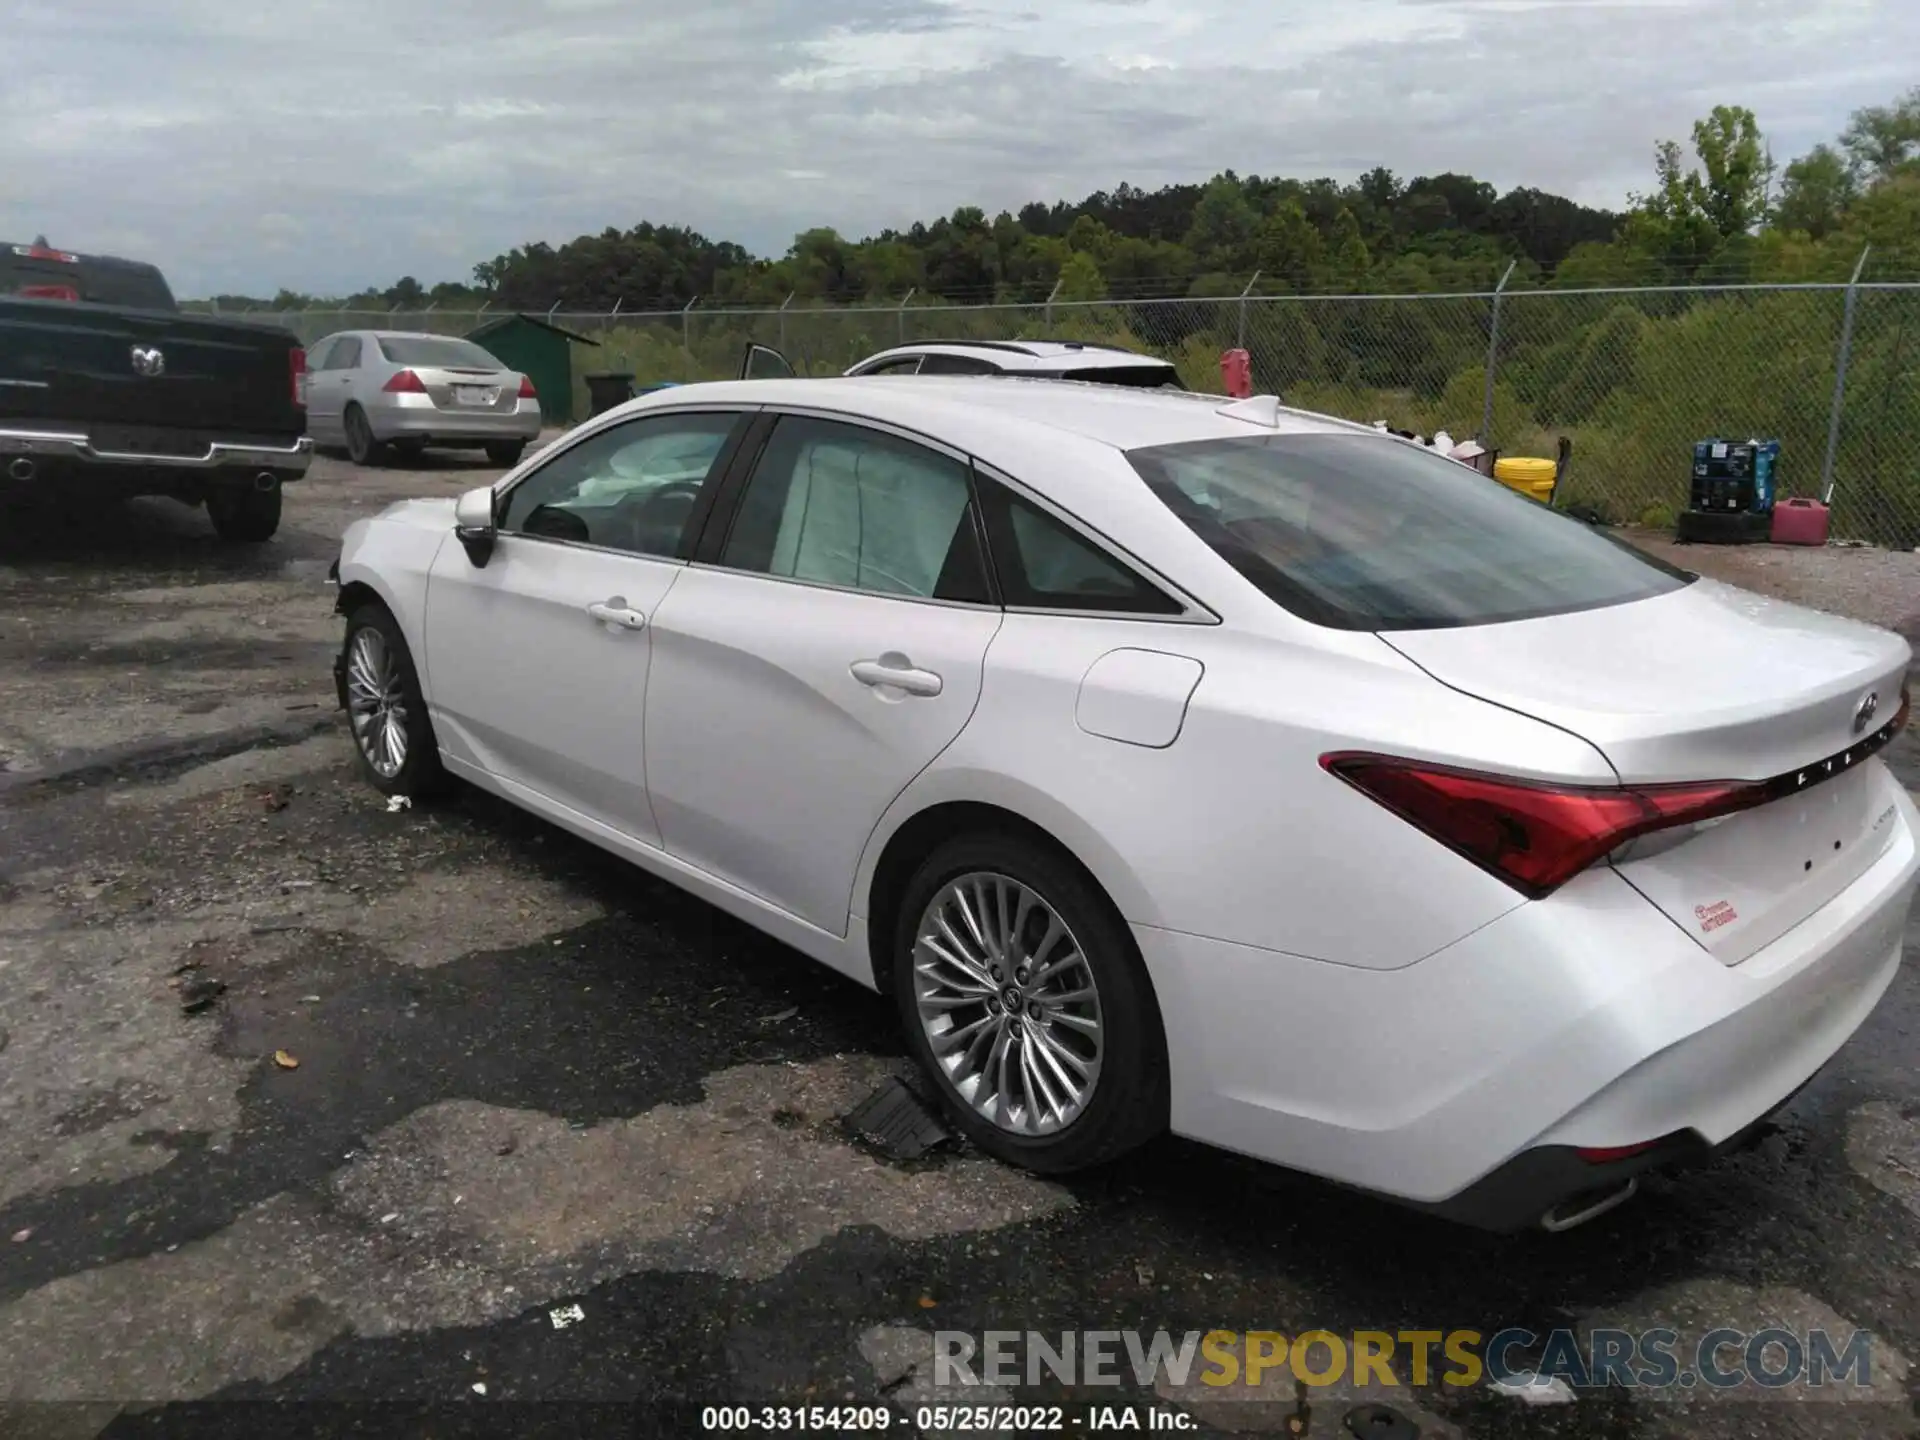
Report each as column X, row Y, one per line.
column 1375, row 1422
column 564, row 1315
column 397, row 803
column 927, row 1302
column 1534, row 1388
column 276, row 797
column 780, row 1017
column 897, row 1122
column 20, row 1237
column 286, row 1060
column 479, row 1387
column 505, row 1147
column 198, row 989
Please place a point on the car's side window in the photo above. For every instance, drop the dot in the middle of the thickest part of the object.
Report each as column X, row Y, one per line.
column 1044, row 564
column 907, row 366
column 859, row 509
column 320, row 357
column 346, row 354
column 634, row 486
column 937, row 363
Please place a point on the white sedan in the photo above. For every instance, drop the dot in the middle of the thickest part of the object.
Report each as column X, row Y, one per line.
column 1177, row 763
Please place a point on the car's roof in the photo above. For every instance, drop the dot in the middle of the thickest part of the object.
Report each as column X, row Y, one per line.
column 982, row 413
column 1016, row 355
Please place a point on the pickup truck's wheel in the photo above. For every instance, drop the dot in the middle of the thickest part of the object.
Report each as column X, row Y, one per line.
column 506, row 453
column 1025, row 1001
column 245, row 516
column 362, row 447
column 392, row 735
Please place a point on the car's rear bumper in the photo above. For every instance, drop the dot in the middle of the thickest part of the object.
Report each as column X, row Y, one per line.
column 416, row 417
column 1586, row 1021
column 50, row 446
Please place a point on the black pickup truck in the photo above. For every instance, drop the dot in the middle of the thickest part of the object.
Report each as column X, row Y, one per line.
column 109, row 390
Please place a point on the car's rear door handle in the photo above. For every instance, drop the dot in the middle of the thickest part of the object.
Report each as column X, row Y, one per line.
column 617, row 612
column 899, row 672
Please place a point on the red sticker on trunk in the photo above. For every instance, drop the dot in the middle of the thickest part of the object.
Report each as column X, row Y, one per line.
column 1712, row 917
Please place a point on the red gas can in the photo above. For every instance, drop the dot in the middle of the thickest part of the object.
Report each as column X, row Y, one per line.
column 1799, row 522
column 1236, row 373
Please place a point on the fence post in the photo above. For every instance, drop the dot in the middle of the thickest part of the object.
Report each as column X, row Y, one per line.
column 1485, row 437
column 783, row 320
column 1050, row 296
column 1240, row 335
column 912, row 290
column 1840, row 381
column 686, row 332
column 552, row 310
column 617, row 302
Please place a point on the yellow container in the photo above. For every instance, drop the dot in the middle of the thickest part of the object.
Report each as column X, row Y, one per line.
column 1527, row 474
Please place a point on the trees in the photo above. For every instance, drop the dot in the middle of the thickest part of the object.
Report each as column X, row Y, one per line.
column 1816, row 192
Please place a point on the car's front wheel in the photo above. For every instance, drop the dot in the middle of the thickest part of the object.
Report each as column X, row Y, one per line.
column 385, row 710
column 1026, row 1002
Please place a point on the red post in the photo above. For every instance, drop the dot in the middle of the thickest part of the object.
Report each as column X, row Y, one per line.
column 1236, row 371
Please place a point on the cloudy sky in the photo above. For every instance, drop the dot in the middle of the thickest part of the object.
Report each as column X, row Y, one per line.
column 330, row 144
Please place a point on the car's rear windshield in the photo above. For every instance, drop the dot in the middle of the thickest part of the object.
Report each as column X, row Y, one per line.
column 437, row 351
column 1141, row 377
column 1366, row 532
column 98, row 282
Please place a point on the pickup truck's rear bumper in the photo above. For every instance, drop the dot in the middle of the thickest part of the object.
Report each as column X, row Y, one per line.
column 74, row 447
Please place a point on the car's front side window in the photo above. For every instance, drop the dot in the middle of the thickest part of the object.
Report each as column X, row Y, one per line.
column 320, row 357
column 859, row 509
column 634, row 486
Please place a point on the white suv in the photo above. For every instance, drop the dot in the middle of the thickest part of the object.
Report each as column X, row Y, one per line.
column 1035, row 359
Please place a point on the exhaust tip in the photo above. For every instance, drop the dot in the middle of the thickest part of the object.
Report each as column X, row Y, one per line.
column 22, row 469
column 265, row 481
column 1588, row 1205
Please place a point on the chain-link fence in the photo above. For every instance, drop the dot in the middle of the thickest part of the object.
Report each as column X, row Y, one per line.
column 1633, row 377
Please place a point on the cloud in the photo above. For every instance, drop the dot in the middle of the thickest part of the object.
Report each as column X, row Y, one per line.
column 387, row 139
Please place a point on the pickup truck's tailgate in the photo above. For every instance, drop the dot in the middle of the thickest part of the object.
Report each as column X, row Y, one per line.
column 77, row 365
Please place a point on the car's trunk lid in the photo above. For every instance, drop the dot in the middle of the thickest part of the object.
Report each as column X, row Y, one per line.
column 1703, row 683
column 461, row 387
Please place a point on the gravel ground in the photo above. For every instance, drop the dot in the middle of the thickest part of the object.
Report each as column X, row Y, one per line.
column 458, row 1072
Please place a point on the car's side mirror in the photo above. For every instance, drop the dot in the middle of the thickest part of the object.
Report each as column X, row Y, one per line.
column 473, row 524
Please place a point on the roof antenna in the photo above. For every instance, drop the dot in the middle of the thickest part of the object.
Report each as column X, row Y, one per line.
column 1256, row 410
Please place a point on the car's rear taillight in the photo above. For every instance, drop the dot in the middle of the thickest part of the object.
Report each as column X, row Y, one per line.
column 404, row 382
column 297, row 374
column 1536, row 837
column 48, row 292
column 527, row 392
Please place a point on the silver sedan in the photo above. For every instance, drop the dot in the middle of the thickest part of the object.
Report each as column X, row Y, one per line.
column 375, row 390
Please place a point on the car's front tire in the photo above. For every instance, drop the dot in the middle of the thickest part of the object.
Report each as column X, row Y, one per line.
column 245, row 516
column 392, row 736
column 505, row 453
column 1025, row 1001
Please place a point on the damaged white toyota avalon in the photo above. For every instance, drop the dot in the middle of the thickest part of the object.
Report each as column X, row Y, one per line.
column 1176, row 763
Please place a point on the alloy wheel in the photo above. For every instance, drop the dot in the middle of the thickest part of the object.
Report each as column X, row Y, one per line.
column 376, row 702
column 1008, row 1004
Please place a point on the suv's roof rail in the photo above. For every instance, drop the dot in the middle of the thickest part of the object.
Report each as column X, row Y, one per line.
column 1017, row 347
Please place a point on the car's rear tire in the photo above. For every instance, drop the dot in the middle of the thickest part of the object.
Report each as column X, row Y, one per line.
column 246, row 516
column 393, row 738
column 362, row 446
column 1059, row 944
column 506, row 453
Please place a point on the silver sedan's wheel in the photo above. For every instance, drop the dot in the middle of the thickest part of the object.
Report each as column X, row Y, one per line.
column 1008, row 1004
column 377, row 702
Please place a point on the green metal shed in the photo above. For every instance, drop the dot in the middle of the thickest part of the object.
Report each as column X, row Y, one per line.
column 540, row 351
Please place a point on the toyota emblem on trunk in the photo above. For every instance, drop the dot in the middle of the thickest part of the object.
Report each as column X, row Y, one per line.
column 1863, row 717
column 149, row 360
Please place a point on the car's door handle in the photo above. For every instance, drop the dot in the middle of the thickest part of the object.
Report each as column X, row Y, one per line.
column 899, row 672
column 617, row 612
